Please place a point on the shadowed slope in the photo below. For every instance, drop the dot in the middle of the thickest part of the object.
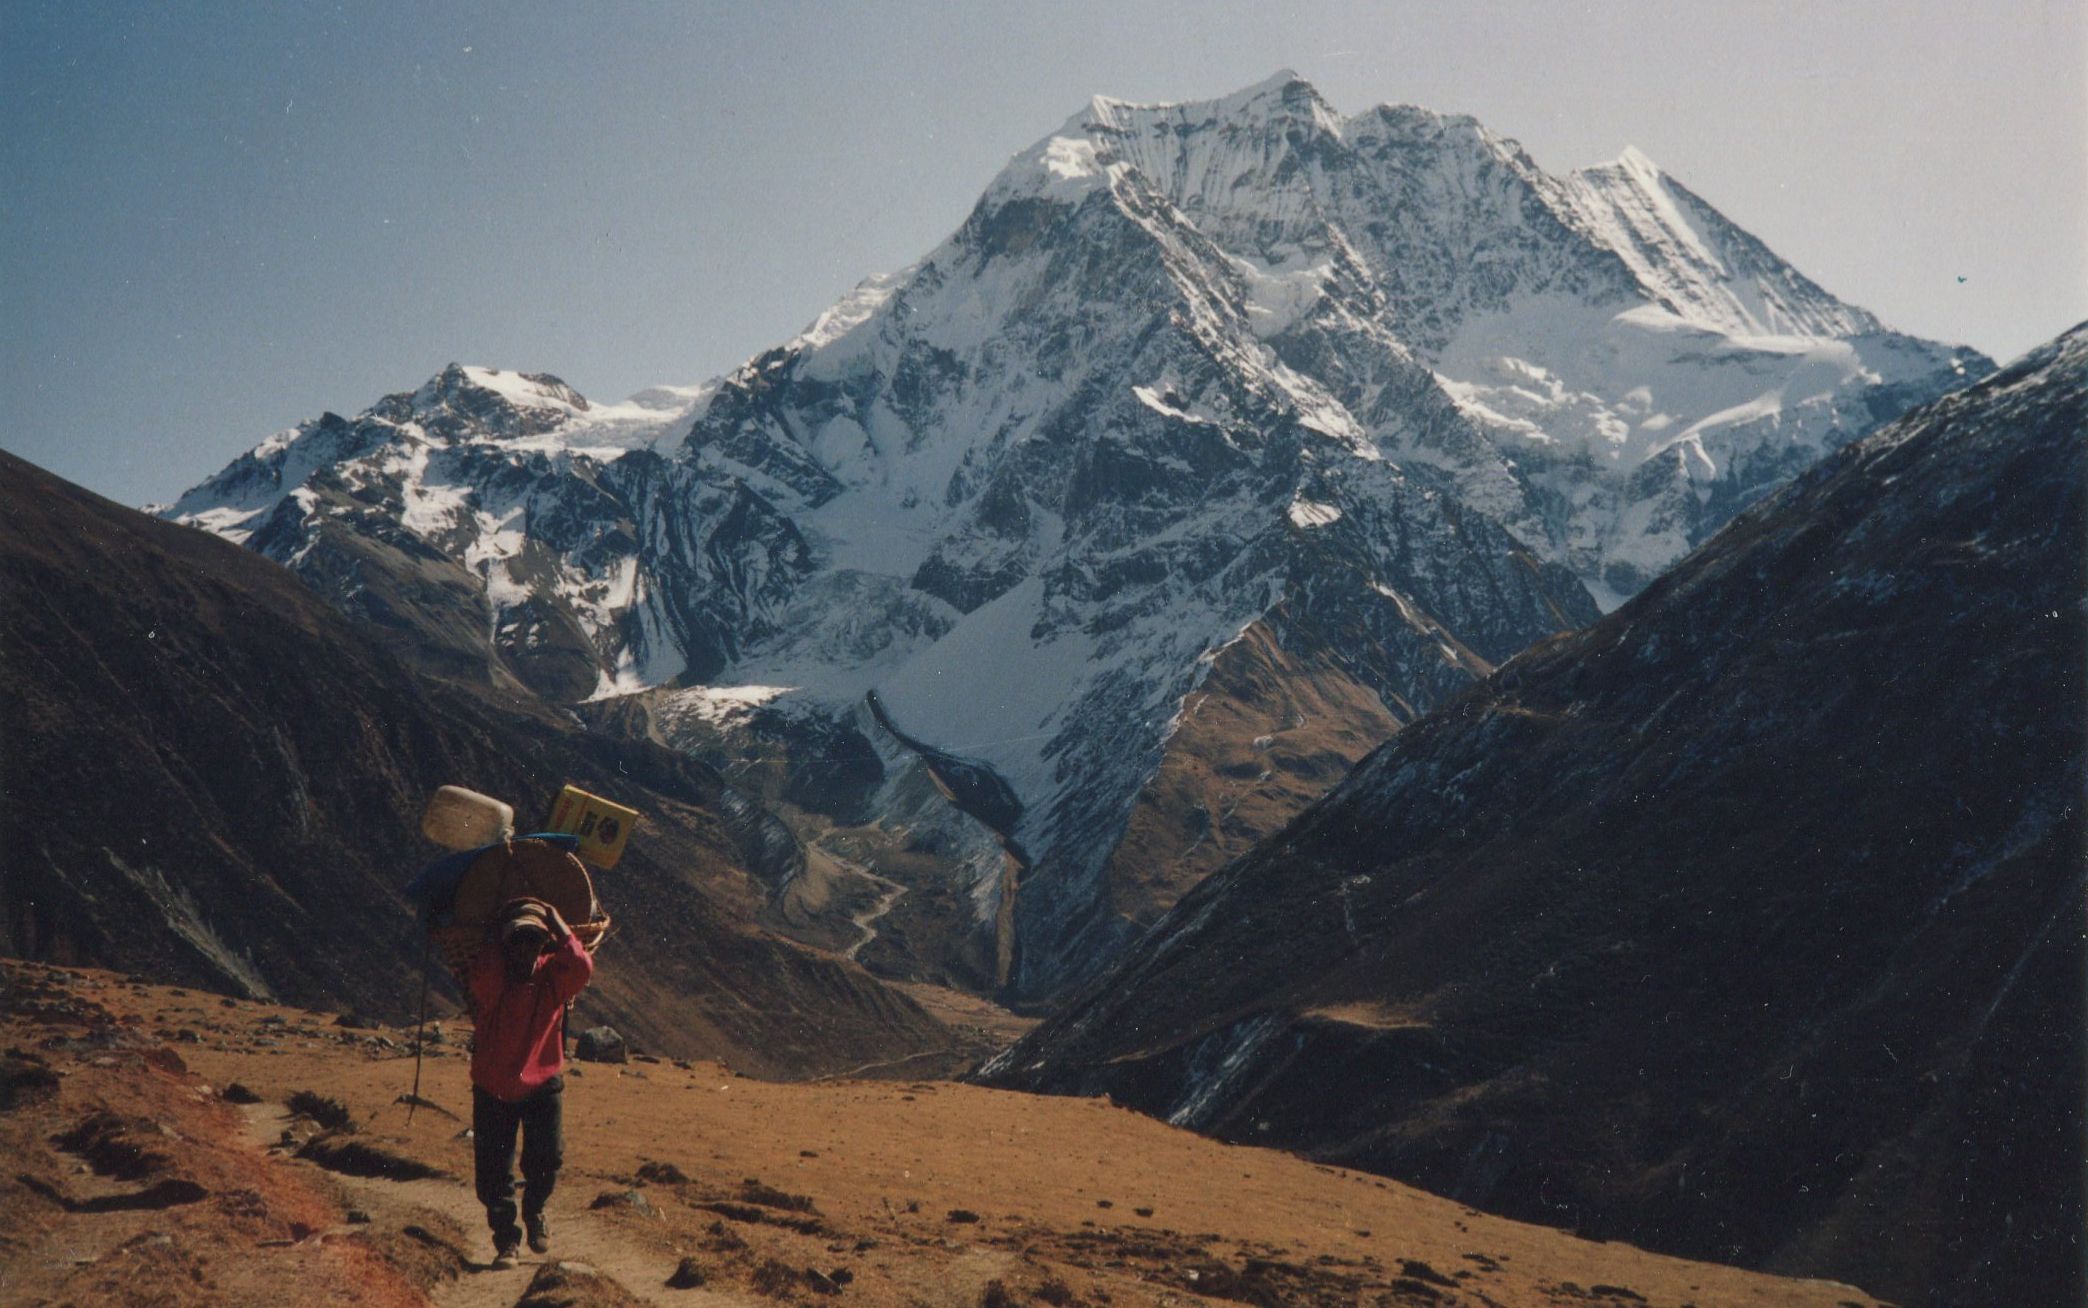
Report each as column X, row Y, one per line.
column 1747, row 923
column 212, row 777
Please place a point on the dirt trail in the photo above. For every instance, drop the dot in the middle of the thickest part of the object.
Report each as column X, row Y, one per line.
column 579, row 1235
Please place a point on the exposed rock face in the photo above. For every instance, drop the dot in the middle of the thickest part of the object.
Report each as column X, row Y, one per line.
column 1184, row 369
column 1749, row 921
column 213, row 778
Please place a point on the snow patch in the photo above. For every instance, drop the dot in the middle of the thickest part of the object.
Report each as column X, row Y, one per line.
column 1311, row 513
column 234, row 524
column 1218, row 1064
column 1153, row 400
column 1071, row 158
column 525, row 392
column 1279, row 295
column 723, row 706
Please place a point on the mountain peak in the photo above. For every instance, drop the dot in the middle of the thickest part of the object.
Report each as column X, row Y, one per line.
column 1416, row 114
column 1282, row 94
column 1284, row 82
column 465, row 400
column 1081, row 155
column 1633, row 165
column 1179, row 370
column 518, row 390
column 1283, row 85
column 1636, row 160
column 1696, row 262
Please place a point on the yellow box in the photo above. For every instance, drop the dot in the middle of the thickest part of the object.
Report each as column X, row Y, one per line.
column 603, row 827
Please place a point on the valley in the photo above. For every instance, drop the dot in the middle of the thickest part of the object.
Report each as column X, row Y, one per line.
column 1301, row 712
column 1746, row 923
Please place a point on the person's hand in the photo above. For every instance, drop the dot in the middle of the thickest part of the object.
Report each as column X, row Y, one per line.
column 559, row 929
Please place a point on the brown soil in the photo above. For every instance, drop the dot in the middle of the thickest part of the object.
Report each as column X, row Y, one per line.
column 130, row 1181
column 869, row 1192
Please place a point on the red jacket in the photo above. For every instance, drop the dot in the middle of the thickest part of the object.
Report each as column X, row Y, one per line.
column 518, row 1044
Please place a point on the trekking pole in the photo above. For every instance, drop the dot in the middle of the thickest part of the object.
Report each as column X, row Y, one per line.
column 419, row 1029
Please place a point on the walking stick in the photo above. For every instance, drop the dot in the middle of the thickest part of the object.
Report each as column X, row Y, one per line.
column 419, row 1029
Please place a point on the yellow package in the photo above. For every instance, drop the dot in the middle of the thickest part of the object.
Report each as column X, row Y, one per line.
column 604, row 828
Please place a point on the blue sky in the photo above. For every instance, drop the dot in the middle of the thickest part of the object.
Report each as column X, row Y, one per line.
column 217, row 220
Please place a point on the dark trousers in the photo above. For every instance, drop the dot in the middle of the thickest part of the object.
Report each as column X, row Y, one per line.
column 541, row 1120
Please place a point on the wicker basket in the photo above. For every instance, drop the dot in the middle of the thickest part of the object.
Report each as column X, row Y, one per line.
column 525, row 869
column 517, row 869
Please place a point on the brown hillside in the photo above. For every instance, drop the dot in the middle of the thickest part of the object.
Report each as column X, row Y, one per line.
column 1270, row 730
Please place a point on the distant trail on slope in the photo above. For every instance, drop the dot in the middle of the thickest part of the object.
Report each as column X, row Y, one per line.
column 854, row 1072
column 894, row 892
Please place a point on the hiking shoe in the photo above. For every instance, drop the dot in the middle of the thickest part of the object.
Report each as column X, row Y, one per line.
column 539, row 1232
column 504, row 1258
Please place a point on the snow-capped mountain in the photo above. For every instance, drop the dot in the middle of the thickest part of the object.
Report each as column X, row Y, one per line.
column 1198, row 397
column 1749, row 920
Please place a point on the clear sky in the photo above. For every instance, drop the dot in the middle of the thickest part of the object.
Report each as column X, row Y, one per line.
column 218, row 219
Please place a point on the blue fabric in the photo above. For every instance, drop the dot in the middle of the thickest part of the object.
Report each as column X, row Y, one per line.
column 565, row 840
column 434, row 887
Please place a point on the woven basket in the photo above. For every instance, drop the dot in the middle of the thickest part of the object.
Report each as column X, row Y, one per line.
column 517, row 869
column 524, row 869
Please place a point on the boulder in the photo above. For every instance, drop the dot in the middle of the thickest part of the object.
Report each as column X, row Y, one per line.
column 687, row 1276
column 602, row 1044
column 632, row 1200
